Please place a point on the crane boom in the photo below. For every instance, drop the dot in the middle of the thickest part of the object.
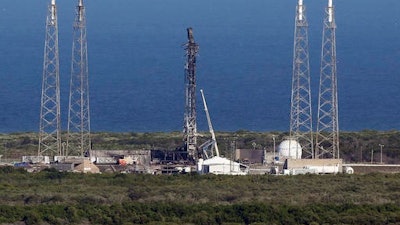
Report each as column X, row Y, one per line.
column 210, row 127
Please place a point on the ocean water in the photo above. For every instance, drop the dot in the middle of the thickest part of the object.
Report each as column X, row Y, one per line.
column 136, row 62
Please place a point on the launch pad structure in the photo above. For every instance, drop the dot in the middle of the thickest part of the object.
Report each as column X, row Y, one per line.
column 300, row 112
column 327, row 137
column 50, row 121
column 190, row 124
column 78, row 139
column 301, row 124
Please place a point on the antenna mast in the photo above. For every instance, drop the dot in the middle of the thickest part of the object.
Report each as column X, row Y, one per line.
column 190, row 127
column 327, row 140
column 300, row 113
column 78, row 142
column 50, row 128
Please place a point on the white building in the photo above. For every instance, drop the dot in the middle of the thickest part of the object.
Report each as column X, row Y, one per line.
column 219, row 165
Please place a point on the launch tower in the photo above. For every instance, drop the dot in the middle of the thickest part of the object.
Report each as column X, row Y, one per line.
column 190, row 127
column 50, row 128
column 300, row 113
column 327, row 139
column 78, row 142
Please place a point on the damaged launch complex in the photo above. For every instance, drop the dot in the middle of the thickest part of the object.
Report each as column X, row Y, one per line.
column 303, row 151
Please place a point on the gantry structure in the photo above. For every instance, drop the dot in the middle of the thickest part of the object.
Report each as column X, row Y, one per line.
column 50, row 126
column 300, row 113
column 78, row 139
column 327, row 138
column 190, row 126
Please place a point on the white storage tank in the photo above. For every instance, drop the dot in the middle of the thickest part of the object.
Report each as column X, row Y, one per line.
column 348, row 170
column 290, row 148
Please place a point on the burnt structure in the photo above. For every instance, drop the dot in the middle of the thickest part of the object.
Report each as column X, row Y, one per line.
column 190, row 127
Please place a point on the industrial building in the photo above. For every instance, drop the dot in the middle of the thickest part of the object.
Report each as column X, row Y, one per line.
column 250, row 156
column 312, row 166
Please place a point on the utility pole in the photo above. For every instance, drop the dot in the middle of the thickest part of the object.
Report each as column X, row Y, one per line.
column 381, row 145
column 273, row 139
column 50, row 126
column 372, row 156
column 233, row 151
column 78, row 142
column 190, row 126
column 300, row 113
column 327, row 124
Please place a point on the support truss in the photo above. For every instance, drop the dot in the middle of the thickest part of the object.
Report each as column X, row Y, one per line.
column 300, row 114
column 50, row 128
column 190, row 127
column 79, row 142
column 327, row 140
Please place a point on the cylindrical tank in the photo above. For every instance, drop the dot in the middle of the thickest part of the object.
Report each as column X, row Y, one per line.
column 290, row 149
column 200, row 166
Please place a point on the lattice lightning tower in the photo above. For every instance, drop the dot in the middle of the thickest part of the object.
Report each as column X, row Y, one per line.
column 300, row 114
column 50, row 128
column 327, row 140
column 190, row 127
column 78, row 142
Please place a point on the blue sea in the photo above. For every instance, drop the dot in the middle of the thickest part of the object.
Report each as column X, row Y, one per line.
column 136, row 62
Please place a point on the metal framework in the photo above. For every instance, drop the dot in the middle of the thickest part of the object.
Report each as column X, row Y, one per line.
column 211, row 145
column 327, row 139
column 78, row 142
column 300, row 113
column 190, row 127
column 50, row 128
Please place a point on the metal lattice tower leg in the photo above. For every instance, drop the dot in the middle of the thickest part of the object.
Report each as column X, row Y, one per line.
column 327, row 140
column 190, row 127
column 300, row 114
column 78, row 142
column 50, row 128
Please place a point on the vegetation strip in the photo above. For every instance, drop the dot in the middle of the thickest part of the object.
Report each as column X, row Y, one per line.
column 163, row 213
column 54, row 197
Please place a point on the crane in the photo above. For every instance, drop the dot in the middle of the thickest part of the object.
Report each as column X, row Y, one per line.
column 213, row 141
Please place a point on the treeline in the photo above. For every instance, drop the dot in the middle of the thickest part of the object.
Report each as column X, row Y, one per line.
column 52, row 197
column 201, row 214
column 18, row 187
column 354, row 146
